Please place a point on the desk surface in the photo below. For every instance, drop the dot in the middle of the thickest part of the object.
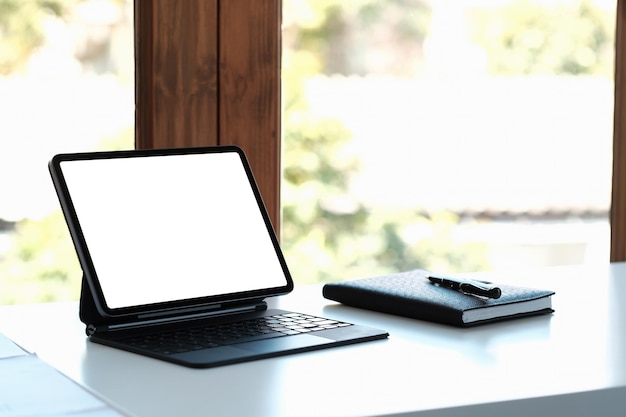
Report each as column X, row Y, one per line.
column 572, row 363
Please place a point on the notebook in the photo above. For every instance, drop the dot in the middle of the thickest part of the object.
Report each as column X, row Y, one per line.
column 179, row 256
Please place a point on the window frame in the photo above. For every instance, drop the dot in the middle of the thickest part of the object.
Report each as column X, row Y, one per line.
column 618, row 187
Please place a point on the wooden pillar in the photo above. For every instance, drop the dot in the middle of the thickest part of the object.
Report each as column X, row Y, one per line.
column 618, row 198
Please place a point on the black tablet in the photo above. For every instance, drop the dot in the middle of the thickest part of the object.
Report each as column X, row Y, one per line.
column 158, row 231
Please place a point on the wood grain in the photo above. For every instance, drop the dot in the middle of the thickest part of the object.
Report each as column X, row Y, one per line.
column 618, row 203
column 250, row 47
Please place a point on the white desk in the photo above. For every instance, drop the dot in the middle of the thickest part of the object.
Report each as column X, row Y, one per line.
column 572, row 363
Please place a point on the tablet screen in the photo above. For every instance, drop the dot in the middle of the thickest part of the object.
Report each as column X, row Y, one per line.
column 163, row 228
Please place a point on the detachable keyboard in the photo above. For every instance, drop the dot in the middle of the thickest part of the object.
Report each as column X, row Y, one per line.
column 213, row 335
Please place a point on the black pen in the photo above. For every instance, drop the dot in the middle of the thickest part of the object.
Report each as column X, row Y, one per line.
column 467, row 286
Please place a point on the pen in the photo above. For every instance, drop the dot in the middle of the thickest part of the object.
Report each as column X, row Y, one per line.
column 467, row 286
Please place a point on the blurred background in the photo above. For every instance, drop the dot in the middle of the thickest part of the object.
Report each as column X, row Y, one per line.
column 457, row 135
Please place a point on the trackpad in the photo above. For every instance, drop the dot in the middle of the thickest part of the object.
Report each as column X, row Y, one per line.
column 285, row 343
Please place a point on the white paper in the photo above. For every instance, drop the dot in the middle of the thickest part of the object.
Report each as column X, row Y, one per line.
column 9, row 349
column 30, row 387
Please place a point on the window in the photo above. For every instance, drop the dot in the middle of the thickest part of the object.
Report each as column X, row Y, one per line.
column 456, row 136
column 183, row 98
column 267, row 27
column 253, row 31
column 66, row 85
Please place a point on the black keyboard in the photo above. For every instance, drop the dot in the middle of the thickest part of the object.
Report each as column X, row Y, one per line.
column 207, row 336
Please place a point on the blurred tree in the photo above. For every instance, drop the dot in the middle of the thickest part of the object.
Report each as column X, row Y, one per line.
column 327, row 235
column 359, row 37
column 41, row 264
column 21, row 29
column 528, row 37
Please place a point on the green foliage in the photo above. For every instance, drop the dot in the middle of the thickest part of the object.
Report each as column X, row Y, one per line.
column 328, row 235
column 528, row 37
column 356, row 36
column 21, row 30
column 41, row 265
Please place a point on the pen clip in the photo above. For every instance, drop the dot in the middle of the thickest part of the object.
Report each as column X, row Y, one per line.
column 467, row 286
column 481, row 289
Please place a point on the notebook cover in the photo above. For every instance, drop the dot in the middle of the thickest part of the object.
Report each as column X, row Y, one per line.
column 410, row 294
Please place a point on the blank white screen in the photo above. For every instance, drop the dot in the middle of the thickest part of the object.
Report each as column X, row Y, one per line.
column 165, row 228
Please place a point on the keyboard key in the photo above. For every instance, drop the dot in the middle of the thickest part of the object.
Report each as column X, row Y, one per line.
column 183, row 340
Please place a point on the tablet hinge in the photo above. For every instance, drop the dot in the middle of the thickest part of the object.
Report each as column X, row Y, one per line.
column 93, row 329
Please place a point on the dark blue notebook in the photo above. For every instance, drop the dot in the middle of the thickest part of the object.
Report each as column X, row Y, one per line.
column 411, row 294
